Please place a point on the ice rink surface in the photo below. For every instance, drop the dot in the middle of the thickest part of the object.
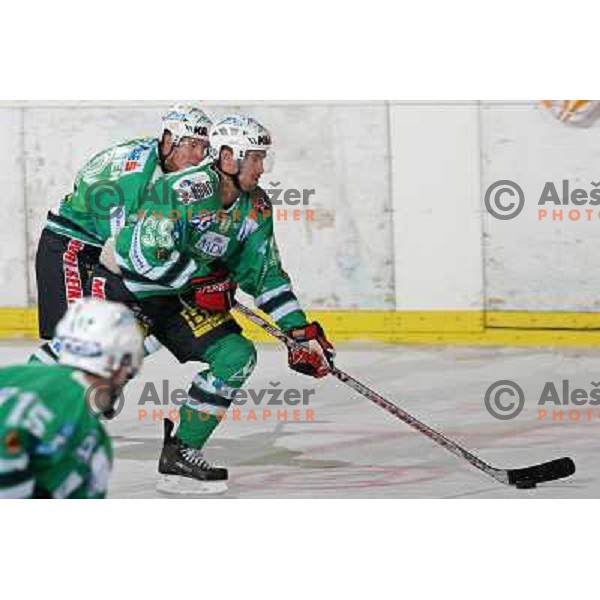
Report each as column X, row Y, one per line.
column 354, row 449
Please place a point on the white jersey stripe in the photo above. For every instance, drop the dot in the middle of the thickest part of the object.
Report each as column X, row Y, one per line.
column 14, row 464
column 285, row 310
column 22, row 490
column 272, row 294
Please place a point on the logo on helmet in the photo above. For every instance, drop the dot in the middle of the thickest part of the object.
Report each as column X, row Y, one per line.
column 80, row 347
column 261, row 140
column 201, row 131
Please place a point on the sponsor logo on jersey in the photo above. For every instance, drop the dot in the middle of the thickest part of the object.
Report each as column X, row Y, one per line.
column 201, row 322
column 136, row 254
column 99, row 288
column 135, row 160
column 193, row 188
column 95, row 166
column 201, row 222
column 73, row 287
column 138, row 152
column 225, row 224
column 213, row 244
column 131, row 165
column 117, row 220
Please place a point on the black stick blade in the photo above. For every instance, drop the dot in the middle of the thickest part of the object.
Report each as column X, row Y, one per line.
column 548, row 471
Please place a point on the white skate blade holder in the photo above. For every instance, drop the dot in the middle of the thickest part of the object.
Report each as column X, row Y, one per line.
column 177, row 485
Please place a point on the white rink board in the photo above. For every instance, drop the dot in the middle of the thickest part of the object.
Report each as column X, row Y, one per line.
column 531, row 264
column 353, row 449
column 13, row 265
column 437, row 221
column 340, row 152
column 398, row 202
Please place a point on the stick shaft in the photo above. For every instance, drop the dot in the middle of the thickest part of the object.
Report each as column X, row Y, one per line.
column 380, row 401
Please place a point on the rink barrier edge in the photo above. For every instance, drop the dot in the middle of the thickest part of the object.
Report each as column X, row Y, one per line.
column 468, row 327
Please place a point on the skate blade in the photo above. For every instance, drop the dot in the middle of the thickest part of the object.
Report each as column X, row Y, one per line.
column 183, row 486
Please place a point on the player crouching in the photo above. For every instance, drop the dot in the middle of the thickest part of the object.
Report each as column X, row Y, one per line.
column 52, row 441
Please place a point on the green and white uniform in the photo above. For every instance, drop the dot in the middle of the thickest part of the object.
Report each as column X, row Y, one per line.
column 109, row 187
column 50, row 445
column 186, row 233
column 107, row 190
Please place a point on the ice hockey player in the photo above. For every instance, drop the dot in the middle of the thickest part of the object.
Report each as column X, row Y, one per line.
column 52, row 441
column 107, row 191
column 184, row 270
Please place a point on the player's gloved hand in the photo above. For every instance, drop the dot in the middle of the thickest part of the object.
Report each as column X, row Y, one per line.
column 215, row 292
column 315, row 358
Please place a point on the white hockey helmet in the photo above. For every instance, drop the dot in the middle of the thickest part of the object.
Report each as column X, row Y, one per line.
column 186, row 121
column 241, row 134
column 99, row 337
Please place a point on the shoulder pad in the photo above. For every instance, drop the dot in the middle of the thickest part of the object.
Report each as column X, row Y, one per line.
column 131, row 157
column 126, row 157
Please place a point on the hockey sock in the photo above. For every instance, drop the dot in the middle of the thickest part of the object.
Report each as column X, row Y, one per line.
column 195, row 427
column 231, row 361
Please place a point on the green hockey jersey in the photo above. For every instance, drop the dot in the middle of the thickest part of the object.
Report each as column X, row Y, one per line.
column 50, row 444
column 183, row 231
column 107, row 190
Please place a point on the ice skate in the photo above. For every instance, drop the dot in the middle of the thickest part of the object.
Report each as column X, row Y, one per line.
column 184, row 470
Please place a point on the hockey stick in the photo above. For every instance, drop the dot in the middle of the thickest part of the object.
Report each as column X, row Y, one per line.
column 527, row 477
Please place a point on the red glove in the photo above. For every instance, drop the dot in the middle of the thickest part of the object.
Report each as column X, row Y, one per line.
column 215, row 292
column 315, row 358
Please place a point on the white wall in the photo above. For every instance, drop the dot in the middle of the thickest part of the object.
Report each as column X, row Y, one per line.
column 342, row 259
column 437, row 223
column 531, row 264
column 13, row 225
column 398, row 198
